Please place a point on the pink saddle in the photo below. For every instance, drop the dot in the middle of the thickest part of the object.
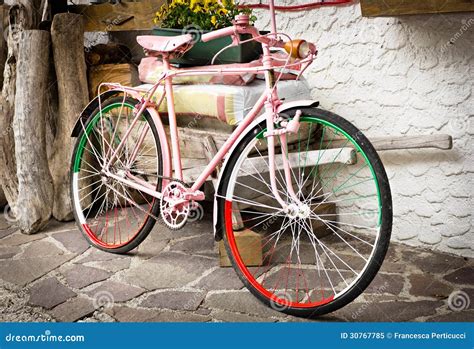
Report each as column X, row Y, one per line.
column 165, row 43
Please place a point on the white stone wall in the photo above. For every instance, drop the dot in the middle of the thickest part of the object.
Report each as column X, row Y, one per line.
column 400, row 76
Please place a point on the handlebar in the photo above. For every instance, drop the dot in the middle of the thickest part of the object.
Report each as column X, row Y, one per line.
column 219, row 33
column 235, row 30
column 242, row 26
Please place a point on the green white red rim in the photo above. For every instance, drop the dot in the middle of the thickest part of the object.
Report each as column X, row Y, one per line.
column 273, row 296
column 75, row 182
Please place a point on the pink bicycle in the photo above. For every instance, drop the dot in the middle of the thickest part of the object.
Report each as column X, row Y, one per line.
column 306, row 183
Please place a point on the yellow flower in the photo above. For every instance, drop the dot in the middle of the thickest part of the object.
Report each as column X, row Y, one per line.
column 213, row 20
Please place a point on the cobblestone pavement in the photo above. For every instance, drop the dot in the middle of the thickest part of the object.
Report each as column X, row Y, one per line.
column 174, row 276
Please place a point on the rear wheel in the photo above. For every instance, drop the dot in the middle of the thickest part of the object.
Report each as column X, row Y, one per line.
column 112, row 216
column 324, row 251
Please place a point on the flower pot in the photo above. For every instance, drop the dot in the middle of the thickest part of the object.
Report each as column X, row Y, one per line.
column 203, row 52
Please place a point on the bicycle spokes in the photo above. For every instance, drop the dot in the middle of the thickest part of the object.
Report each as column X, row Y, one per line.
column 317, row 247
column 110, row 212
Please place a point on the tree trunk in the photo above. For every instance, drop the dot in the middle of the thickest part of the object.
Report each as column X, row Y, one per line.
column 22, row 15
column 35, row 187
column 3, row 199
column 67, row 34
column 3, row 58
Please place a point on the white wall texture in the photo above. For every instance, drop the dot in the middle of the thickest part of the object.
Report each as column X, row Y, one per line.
column 409, row 75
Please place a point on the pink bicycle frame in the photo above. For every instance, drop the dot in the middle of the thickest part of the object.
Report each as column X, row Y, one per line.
column 268, row 101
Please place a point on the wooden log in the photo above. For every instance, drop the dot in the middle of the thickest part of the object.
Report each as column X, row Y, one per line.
column 67, row 33
column 126, row 16
column 3, row 46
column 22, row 15
column 125, row 74
column 35, row 187
column 52, row 110
column 110, row 53
column 3, row 57
column 3, row 199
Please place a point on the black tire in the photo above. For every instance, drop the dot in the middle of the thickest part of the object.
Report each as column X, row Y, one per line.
column 155, row 210
column 386, row 226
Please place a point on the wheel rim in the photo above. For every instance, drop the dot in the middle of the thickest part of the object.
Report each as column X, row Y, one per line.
column 110, row 213
column 302, row 267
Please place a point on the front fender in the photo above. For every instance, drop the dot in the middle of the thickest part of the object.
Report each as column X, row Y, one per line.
column 218, row 233
column 297, row 104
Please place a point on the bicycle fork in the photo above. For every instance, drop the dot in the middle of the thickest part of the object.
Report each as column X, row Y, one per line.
column 292, row 127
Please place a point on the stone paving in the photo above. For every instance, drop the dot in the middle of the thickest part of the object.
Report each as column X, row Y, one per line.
column 174, row 276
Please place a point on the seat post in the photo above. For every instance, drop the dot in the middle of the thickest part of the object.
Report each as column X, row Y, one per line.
column 172, row 120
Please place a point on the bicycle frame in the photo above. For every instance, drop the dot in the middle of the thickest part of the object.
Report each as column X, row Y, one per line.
column 268, row 101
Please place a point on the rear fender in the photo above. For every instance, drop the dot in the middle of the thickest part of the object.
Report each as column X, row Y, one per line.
column 89, row 109
column 94, row 104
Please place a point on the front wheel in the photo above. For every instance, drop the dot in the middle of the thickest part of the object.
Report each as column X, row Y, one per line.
column 322, row 252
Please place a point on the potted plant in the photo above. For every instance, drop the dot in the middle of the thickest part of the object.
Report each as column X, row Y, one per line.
column 200, row 16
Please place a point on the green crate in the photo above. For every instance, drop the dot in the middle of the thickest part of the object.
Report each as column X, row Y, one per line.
column 203, row 52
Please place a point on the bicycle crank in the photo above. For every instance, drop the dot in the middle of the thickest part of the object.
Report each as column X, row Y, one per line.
column 177, row 207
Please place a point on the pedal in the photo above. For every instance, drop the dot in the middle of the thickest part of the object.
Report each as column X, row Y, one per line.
column 194, row 195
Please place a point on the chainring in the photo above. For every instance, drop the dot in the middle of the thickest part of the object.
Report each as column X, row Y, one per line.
column 174, row 216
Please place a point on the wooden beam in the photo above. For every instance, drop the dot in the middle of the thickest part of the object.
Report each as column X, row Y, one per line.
column 311, row 158
column 437, row 141
column 441, row 141
column 374, row 8
column 119, row 17
column 259, row 164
